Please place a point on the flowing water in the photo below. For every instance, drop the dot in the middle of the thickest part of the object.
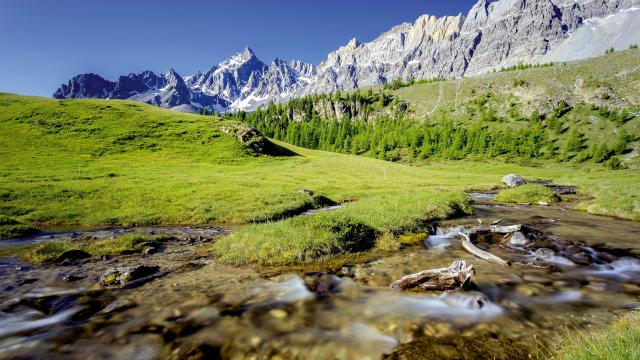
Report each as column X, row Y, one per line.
column 581, row 270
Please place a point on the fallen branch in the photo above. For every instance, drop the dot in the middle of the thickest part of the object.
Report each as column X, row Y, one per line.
column 495, row 229
column 470, row 247
column 454, row 277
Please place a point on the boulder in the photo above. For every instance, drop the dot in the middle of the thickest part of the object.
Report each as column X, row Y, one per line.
column 513, row 180
column 247, row 135
column 518, row 239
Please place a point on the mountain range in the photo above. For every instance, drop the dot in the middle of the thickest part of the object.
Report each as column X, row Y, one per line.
column 492, row 35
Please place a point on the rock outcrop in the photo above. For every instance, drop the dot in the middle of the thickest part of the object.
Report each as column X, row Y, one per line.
column 247, row 135
column 492, row 35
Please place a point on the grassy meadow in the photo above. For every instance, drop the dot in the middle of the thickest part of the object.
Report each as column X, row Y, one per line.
column 95, row 163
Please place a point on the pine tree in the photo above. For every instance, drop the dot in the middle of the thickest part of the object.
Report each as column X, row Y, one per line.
column 574, row 143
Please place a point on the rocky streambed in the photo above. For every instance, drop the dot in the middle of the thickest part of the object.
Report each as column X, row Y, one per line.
column 567, row 270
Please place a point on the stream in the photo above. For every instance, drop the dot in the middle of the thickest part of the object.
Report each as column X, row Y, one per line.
column 584, row 273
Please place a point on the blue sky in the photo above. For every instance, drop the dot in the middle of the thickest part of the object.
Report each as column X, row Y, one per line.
column 44, row 42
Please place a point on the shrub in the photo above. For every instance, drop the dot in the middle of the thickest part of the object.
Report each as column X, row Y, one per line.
column 600, row 153
column 615, row 164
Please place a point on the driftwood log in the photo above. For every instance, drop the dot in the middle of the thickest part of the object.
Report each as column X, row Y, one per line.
column 470, row 247
column 508, row 229
column 454, row 277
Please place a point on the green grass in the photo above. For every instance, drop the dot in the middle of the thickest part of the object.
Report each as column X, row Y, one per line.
column 48, row 252
column 529, row 193
column 620, row 341
column 93, row 163
column 373, row 222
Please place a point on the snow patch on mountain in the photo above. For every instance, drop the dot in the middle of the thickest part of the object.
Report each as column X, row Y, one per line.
column 602, row 34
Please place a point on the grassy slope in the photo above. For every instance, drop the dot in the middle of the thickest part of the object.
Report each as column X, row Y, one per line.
column 609, row 81
column 616, row 74
column 93, row 162
column 96, row 163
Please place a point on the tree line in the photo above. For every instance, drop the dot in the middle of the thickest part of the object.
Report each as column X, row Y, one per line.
column 393, row 136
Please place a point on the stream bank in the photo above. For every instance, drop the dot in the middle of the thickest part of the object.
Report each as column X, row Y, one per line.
column 202, row 309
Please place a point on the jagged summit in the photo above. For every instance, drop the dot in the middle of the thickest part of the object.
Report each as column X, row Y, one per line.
column 493, row 34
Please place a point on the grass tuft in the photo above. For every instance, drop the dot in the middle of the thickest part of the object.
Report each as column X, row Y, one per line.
column 49, row 252
column 372, row 222
column 621, row 341
column 529, row 193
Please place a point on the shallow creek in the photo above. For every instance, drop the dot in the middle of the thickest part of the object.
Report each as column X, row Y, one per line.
column 202, row 309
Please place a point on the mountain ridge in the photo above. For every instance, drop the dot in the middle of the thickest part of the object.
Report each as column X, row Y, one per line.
column 493, row 34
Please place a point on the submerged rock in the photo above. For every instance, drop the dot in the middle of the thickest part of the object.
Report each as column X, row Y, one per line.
column 118, row 305
column 322, row 283
column 513, row 180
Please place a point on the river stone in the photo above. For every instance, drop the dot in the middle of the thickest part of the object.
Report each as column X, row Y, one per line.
column 118, row 305
column 73, row 255
column 544, row 253
column 537, row 278
column 203, row 317
column 527, row 290
column 124, row 275
column 71, row 278
column 322, row 283
column 518, row 239
column 278, row 313
column 513, row 180
column 581, row 259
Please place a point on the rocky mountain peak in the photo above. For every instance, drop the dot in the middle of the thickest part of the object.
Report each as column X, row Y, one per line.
column 85, row 86
column 439, row 29
column 172, row 75
column 246, row 56
column 494, row 34
column 353, row 44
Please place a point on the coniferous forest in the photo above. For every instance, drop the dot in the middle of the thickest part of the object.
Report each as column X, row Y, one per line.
column 376, row 124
